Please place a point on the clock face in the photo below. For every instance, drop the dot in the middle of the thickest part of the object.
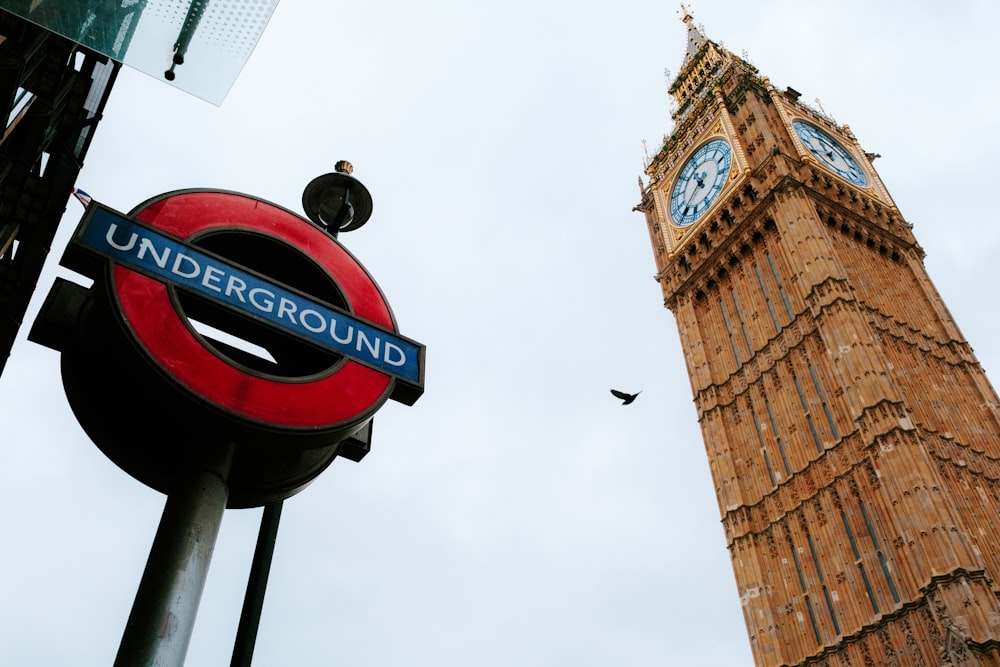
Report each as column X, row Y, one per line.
column 832, row 154
column 700, row 181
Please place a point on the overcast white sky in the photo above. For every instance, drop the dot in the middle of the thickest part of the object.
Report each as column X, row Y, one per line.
column 517, row 515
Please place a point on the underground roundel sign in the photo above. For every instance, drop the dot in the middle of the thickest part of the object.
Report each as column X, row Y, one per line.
column 258, row 318
column 157, row 263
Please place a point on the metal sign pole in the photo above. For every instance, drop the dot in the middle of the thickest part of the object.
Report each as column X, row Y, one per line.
column 253, row 602
column 162, row 618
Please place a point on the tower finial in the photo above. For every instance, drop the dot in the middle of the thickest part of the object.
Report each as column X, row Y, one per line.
column 695, row 36
column 685, row 14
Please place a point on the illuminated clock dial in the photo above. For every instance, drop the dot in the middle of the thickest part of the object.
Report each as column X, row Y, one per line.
column 834, row 156
column 700, row 181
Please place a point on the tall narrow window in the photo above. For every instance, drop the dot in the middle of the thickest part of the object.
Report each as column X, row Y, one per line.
column 767, row 462
column 822, row 400
column 763, row 448
column 777, row 437
column 822, row 583
column 857, row 561
column 729, row 330
column 805, row 409
column 878, row 550
column 743, row 325
column 805, row 595
column 767, row 299
column 781, row 288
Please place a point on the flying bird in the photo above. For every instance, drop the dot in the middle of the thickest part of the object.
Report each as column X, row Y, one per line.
column 626, row 398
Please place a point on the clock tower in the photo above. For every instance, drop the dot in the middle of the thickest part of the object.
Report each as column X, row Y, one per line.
column 852, row 436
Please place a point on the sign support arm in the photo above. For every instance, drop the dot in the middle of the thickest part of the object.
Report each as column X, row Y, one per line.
column 253, row 602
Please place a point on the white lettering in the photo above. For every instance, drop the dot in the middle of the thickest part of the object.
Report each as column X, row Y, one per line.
column 217, row 278
column 236, row 286
column 112, row 228
column 267, row 305
column 212, row 275
column 287, row 306
column 333, row 333
column 195, row 267
column 320, row 321
column 145, row 244
column 372, row 349
column 400, row 356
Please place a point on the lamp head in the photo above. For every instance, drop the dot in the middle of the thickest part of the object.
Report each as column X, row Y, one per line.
column 337, row 202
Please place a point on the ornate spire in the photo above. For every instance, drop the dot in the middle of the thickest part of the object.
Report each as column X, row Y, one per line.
column 695, row 39
column 702, row 60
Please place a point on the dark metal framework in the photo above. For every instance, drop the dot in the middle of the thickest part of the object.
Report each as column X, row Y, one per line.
column 54, row 92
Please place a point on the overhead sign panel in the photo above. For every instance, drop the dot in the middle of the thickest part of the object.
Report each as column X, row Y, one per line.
column 199, row 46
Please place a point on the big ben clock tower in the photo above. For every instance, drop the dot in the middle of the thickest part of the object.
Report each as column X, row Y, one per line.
column 852, row 436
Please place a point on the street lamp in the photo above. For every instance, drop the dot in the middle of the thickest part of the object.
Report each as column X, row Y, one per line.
column 337, row 202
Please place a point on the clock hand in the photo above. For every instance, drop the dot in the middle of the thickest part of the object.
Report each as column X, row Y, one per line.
column 695, row 192
column 829, row 152
column 700, row 179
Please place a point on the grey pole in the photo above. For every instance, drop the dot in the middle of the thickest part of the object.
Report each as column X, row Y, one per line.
column 253, row 601
column 162, row 618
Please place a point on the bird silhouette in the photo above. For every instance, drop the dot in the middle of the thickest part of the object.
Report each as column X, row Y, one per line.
column 626, row 398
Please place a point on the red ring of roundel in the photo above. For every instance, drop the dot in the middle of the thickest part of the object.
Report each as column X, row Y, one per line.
column 340, row 397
